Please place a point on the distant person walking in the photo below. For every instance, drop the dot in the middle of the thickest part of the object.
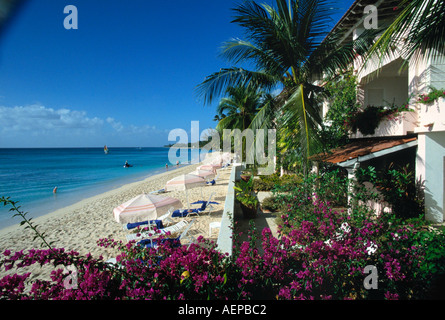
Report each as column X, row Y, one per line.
column 166, row 166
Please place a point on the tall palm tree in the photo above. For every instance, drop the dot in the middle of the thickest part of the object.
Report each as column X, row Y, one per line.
column 287, row 46
column 418, row 31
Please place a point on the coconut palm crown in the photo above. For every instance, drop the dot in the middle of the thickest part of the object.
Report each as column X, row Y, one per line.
column 288, row 46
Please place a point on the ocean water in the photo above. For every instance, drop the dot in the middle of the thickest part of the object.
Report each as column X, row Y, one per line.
column 30, row 175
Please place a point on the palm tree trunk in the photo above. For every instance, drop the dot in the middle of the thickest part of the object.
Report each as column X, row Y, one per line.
column 305, row 121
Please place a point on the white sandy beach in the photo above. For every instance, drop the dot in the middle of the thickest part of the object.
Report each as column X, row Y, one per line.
column 79, row 226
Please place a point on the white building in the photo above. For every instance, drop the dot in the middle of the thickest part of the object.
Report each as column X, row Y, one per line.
column 417, row 135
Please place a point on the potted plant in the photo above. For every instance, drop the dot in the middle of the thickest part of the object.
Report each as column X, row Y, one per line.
column 246, row 174
column 247, row 197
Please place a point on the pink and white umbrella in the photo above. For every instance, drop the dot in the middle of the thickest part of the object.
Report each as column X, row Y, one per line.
column 144, row 207
column 185, row 182
column 206, row 174
column 217, row 158
column 209, row 167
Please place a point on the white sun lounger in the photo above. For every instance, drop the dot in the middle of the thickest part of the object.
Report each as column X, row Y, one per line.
column 153, row 234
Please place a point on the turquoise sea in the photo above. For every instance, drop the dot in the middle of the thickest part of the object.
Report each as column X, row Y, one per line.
column 30, row 175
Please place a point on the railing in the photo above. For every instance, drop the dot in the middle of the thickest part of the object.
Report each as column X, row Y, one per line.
column 225, row 237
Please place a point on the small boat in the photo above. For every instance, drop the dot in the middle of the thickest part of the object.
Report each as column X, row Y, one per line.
column 105, row 149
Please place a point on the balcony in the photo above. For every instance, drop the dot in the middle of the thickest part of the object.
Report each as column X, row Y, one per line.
column 431, row 116
column 398, row 125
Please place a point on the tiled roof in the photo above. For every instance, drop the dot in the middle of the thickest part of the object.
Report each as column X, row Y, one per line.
column 360, row 148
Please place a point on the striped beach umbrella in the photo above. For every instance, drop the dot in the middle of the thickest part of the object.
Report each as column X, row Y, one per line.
column 144, row 207
column 209, row 167
column 185, row 182
column 206, row 174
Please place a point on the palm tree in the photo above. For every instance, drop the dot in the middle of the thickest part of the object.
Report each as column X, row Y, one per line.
column 238, row 108
column 418, row 30
column 287, row 46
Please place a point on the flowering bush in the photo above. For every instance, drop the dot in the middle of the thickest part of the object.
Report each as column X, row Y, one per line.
column 368, row 119
column 320, row 257
column 432, row 96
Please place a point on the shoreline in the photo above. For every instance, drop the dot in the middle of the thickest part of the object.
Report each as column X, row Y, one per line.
column 84, row 202
column 79, row 226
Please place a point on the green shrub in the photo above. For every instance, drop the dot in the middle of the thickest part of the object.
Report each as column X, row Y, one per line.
column 286, row 183
column 261, row 185
column 272, row 204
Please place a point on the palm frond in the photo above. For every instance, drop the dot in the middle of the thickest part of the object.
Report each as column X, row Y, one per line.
column 239, row 51
column 417, row 32
column 299, row 120
column 266, row 115
column 215, row 85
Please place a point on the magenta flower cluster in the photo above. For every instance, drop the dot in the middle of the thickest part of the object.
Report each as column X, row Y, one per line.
column 318, row 258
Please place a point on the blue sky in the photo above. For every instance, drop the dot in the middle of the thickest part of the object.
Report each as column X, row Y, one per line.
column 125, row 77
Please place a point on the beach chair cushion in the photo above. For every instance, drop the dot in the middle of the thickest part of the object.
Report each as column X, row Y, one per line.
column 133, row 225
column 185, row 212
column 153, row 243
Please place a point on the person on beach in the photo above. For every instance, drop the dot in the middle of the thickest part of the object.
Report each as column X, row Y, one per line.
column 177, row 163
column 55, row 190
column 166, row 166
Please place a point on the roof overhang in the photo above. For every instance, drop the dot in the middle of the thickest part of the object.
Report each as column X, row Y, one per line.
column 355, row 15
column 365, row 149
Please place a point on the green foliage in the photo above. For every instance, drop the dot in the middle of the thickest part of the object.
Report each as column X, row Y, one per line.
column 402, row 192
column 342, row 92
column 416, row 32
column 269, row 182
column 399, row 189
column 27, row 222
column 245, row 194
column 368, row 119
column 431, row 96
column 331, row 185
column 273, row 204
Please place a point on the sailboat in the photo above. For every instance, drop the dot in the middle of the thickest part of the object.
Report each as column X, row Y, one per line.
column 105, row 149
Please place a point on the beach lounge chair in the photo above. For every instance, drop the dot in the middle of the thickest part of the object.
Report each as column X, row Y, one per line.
column 176, row 242
column 160, row 223
column 153, row 234
column 208, row 203
column 212, row 182
column 182, row 213
column 205, row 205
column 157, row 191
